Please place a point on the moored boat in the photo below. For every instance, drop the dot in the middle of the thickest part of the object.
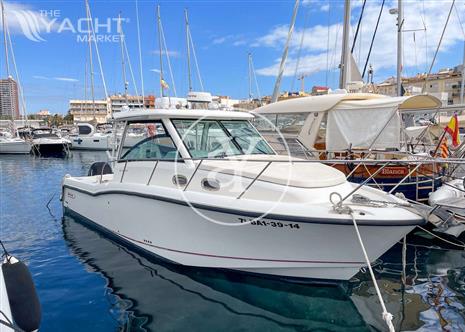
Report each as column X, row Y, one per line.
column 205, row 189
column 46, row 143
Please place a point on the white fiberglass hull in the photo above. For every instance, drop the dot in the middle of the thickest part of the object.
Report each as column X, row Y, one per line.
column 313, row 248
column 96, row 142
column 14, row 146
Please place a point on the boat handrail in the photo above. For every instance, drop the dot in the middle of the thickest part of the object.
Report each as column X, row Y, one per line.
column 420, row 160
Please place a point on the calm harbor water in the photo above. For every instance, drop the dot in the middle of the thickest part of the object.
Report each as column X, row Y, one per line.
column 87, row 282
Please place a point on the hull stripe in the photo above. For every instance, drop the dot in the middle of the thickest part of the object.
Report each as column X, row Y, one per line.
column 296, row 219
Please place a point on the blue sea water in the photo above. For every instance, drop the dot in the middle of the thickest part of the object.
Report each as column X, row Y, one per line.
column 88, row 282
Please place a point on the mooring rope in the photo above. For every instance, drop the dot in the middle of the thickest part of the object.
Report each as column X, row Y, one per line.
column 387, row 316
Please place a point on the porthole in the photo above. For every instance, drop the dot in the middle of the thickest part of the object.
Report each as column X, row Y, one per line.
column 211, row 184
column 179, row 180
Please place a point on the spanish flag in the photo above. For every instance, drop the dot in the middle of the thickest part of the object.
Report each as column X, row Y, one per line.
column 453, row 130
column 164, row 84
column 444, row 149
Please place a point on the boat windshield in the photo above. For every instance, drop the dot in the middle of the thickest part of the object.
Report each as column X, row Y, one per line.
column 221, row 138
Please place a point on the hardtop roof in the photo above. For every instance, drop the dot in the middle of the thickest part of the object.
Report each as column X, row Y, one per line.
column 158, row 114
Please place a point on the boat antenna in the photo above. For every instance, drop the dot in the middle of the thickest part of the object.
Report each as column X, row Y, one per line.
column 277, row 85
column 91, row 62
column 188, row 51
column 167, row 53
column 123, row 63
column 439, row 46
column 140, row 53
column 344, row 66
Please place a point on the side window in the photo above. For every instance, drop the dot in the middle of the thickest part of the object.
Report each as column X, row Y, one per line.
column 148, row 141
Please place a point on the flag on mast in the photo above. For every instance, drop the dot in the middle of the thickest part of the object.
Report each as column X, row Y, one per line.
column 453, row 130
column 164, row 84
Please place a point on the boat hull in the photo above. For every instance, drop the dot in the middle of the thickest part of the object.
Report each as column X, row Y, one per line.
column 90, row 143
column 51, row 149
column 15, row 147
column 290, row 248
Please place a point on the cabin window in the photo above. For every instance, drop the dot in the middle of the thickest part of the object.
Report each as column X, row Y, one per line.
column 291, row 123
column 216, row 138
column 247, row 137
column 285, row 123
column 206, row 139
column 148, row 141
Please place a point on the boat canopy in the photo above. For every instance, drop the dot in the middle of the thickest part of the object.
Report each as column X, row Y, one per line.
column 158, row 114
column 357, row 120
column 324, row 103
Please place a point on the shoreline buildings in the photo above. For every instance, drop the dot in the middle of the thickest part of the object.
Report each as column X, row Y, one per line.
column 9, row 98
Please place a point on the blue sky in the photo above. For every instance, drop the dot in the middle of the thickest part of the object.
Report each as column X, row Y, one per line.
column 52, row 71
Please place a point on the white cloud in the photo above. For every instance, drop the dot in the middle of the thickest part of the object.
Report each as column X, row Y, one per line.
column 173, row 54
column 59, row 78
column 66, row 79
column 219, row 40
column 234, row 40
column 155, row 70
column 315, row 52
column 40, row 77
column 325, row 8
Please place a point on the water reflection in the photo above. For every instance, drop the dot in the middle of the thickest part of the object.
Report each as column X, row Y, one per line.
column 170, row 297
column 155, row 295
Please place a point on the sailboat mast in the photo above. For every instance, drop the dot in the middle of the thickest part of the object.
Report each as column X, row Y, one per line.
column 91, row 63
column 277, row 85
column 162, row 92
column 188, row 51
column 250, row 76
column 400, row 21
column 7, row 62
column 345, row 47
column 123, row 60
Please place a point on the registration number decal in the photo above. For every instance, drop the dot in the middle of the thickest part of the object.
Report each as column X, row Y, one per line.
column 269, row 223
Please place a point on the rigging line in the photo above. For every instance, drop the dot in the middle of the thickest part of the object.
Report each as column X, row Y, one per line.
column 167, row 58
column 334, row 55
column 300, row 50
column 195, row 61
column 20, row 86
column 141, row 71
column 373, row 39
column 426, row 34
column 460, row 21
column 439, row 46
column 131, row 70
column 358, row 26
column 255, row 79
column 327, row 42
column 98, row 54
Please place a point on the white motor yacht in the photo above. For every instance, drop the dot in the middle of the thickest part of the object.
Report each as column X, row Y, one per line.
column 47, row 143
column 13, row 145
column 205, row 189
column 87, row 138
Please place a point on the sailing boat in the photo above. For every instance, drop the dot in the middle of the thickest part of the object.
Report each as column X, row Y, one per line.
column 10, row 142
column 87, row 138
